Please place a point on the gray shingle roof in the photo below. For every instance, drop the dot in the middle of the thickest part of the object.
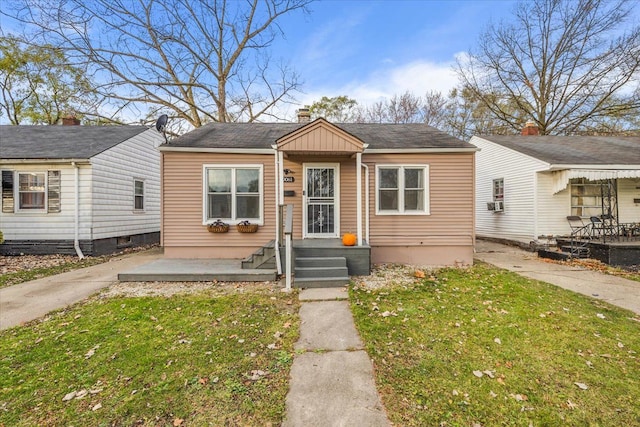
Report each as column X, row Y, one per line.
column 61, row 142
column 575, row 150
column 263, row 135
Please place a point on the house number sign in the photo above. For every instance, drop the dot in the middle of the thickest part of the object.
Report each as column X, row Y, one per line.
column 288, row 179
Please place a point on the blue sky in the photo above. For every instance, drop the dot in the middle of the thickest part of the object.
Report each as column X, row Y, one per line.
column 373, row 49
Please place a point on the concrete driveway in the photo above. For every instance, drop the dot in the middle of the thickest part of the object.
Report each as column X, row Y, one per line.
column 614, row 290
column 30, row 300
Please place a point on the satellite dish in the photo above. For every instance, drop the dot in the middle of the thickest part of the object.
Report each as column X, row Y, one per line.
column 161, row 123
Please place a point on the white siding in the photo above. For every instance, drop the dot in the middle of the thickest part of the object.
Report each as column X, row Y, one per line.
column 628, row 190
column 517, row 221
column 114, row 172
column 553, row 209
column 51, row 226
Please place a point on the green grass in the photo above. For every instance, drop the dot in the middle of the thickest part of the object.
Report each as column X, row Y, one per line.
column 152, row 361
column 536, row 340
column 14, row 278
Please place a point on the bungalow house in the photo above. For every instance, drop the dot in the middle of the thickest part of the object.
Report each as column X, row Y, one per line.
column 85, row 190
column 404, row 190
column 527, row 185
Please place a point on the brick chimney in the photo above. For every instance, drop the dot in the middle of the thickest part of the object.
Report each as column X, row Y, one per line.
column 304, row 116
column 70, row 121
column 530, row 128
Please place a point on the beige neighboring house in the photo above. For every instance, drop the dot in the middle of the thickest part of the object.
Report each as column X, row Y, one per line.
column 405, row 190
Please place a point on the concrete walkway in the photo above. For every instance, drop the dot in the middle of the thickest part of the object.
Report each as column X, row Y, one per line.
column 332, row 376
column 614, row 290
column 27, row 301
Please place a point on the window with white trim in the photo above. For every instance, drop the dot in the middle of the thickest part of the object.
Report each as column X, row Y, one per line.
column 402, row 189
column 498, row 190
column 138, row 194
column 233, row 193
column 29, row 192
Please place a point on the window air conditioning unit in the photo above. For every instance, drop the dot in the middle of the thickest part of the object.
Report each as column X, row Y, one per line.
column 491, row 206
column 499, row 206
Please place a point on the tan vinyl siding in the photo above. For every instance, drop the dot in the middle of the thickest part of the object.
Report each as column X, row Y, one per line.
column 321, row 138
column 450, row 221
column 182, row 195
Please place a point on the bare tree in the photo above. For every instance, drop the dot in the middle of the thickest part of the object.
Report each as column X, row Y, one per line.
column 561, row 63
column 405, row 108
column 197, row 60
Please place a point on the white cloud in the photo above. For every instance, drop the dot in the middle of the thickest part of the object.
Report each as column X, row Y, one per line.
column 417, row 77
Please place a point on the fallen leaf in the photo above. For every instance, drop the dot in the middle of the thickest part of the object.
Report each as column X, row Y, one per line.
column 488, row 373
column 177, row 422
column 620, row 345
column 582, row 386
column 96, row 407
column 455, row 392
column 287, row 325
column 203, row 381
column 492, row 394
column 478, row 374
column 419, row 274
column 497, row 340
column 69, row 396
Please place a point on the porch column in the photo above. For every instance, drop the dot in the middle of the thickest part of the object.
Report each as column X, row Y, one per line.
column 359, row 196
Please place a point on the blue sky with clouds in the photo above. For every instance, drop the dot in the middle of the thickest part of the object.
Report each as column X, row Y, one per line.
column 373, row 49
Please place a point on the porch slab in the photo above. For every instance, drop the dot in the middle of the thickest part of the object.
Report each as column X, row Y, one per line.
column 196, row 270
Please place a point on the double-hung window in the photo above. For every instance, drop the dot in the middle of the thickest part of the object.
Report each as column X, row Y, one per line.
column 233, row 193
column 402, row 190
column 30, row 191
column 138, row 195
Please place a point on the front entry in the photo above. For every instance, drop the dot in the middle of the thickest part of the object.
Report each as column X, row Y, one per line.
column 321, row 197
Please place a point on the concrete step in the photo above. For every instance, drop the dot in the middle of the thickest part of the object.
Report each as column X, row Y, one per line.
column 304, row 262
column 264, row 257
column 324, row 282
column 320, row 272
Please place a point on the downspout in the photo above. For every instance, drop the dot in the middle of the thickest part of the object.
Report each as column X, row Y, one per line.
column 76, row 225
column 366, row 202
column 359, row 198
column 277, row 200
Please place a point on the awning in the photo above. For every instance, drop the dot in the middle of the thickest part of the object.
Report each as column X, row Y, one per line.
column 561, row 178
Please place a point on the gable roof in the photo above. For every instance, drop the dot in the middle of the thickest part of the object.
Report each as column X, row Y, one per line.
column 334, row 139
column 264, row 135
column 574, row 150
column 61, row 142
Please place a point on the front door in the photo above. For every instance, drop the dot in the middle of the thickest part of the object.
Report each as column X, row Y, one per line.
column 320, row 200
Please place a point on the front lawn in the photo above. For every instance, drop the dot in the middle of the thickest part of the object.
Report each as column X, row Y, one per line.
column 485, row 347
column 187, row 360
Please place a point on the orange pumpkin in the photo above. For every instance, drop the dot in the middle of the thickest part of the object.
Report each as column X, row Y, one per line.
column 349, row 239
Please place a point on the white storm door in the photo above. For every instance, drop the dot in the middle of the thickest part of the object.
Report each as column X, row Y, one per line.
column 321, row 196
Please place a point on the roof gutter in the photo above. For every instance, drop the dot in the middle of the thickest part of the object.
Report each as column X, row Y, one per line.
column 420, row 150
column 44, row 161
column 225, row 150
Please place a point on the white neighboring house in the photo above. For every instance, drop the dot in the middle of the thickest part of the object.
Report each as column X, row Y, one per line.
column 85, row 190
column 527, row 185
